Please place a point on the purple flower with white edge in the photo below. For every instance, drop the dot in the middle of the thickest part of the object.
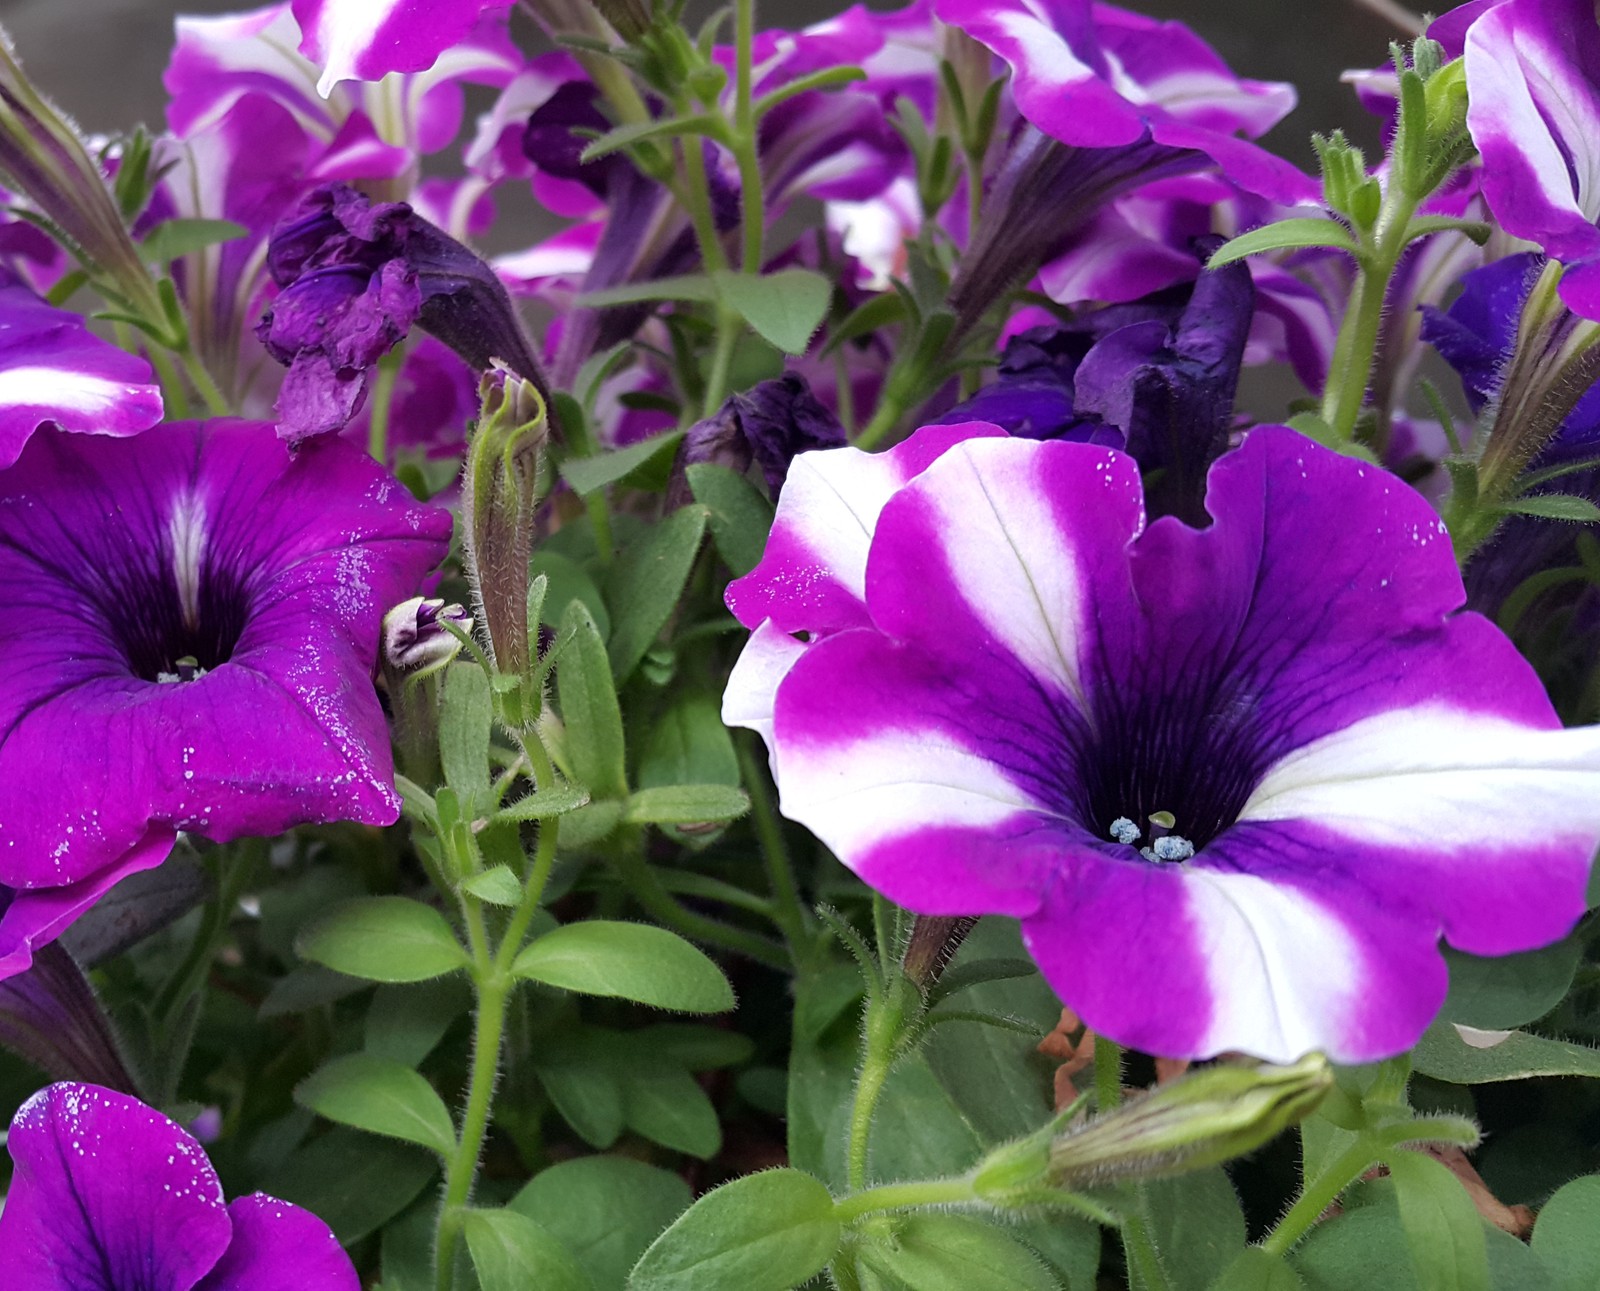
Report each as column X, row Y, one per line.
column 54, row 370
column 110, row 1195
column 203, row 623
column 365, row 40
column 1533, row 86
column 1235, row 781
column 355, row 276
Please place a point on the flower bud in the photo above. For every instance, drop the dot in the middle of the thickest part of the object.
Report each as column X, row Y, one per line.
column 1204, row 1118
column 415, row 640
column 1445, row 93
column 499, row 495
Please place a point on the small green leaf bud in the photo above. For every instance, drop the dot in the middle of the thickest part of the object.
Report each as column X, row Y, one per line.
column 1445, row 94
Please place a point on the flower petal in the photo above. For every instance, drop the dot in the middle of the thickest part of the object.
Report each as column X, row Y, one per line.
column 280, row 1247
column 107, row 1195
column 365, row 40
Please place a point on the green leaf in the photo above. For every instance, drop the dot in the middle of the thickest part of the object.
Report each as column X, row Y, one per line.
column 405, row 1022
column 1198, row 1215
column 380, row 1096
column 465, row 722
column 512, row 1253
column 1508, row 990
column 692, row 287
column 584, row 1083
column 496, row 885
column 589, row 824
column 1284, row 235
column 784, row 308
column 645, row 583
column 638, row 131
column 1480, row 1057
column 557, row 800
column 589, row 706
column 383, row 939
column 741, row 517
column 183, row 235
column 1257, row 1270
column 699, row 1048
column 1443, row 1230
column 1567, row 1237
column 604, row 1209
column 308, row 986
column 764, row 1232
column 354, row 1182
column 1476, row 230
column 588, row 475
column 667, row 1105
column 684, row 804
column 1553, row 506
column 631, row 961
column 687, row 743
column 955, row 1253
column 567, row 581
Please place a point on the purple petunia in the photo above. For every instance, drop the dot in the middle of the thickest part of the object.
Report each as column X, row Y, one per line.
column 109, row 1195
column 1234, row 780
column 203, row 619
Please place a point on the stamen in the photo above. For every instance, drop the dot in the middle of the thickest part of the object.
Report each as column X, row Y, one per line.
column 1124, row 830
column 187, row 669
column 1174, row 847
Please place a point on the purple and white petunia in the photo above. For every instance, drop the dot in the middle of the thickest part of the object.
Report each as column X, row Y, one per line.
column 203, row 619
column 365, row 40
column 1234, row 780
column 110, row 1195
column 54, row 370
column 1533, row 85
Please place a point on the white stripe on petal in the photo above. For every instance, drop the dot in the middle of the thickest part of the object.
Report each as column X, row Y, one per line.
column 67, row 388
column 187, row 530
column 855, row 796
column 1283, row 973
column 1008, row 555
column 344, row 31
column 1439, row 778
column 831, row 503
column 753, row 683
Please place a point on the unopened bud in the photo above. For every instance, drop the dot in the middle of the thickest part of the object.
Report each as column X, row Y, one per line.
column 415, row 639
column 1445, row 93
column 1202, row 1119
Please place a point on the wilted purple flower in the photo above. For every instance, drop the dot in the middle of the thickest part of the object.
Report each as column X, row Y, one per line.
column 202, row 628
column 1235, row 781
column 108, row 1193
column 355, row 276
column 1533, row 85
column 53, row 369
column 772, row 422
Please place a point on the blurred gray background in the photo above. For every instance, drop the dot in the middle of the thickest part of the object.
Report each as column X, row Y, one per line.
column 101, row 60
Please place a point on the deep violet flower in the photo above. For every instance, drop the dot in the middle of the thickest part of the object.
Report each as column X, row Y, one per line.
column 110, row 1195
column 1010, row 681
column 53, row 369
column 203, row 622
column 355, row 276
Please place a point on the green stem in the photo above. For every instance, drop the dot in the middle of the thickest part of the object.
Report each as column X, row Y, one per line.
column 1320, row 1193
column 884, row 419
column 1107, row 1074
column 904, row 1196
column 729, row 325
column 869, row 1086
column 661, row 905
column 173, row 392
column 1142, row 1256
column 205, row 385
column 744, row 125
column 381, row 402
column 789, row 913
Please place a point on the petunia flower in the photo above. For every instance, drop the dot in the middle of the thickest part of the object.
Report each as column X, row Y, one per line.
column 111, row 1195
column 1533, row 87
column 203, row 622
column 1235, row 781
column 54, row 370
column 365, row 40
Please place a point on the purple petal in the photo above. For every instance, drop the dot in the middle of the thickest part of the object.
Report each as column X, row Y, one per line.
column 210, row 541
column 54, row 369
column 107, row 1195
column 279, row 1247
column 365, row 40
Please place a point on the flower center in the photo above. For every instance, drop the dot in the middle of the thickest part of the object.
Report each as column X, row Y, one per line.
column 182, row 615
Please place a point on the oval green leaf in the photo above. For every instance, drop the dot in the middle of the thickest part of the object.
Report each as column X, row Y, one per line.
column 513, row 1253
column 383, row 939
column 381, row 1096
column 764, row 1232
column 630, row 961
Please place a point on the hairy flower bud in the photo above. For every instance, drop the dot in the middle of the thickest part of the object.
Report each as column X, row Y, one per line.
column 1202, row 1119
column 415, row 640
